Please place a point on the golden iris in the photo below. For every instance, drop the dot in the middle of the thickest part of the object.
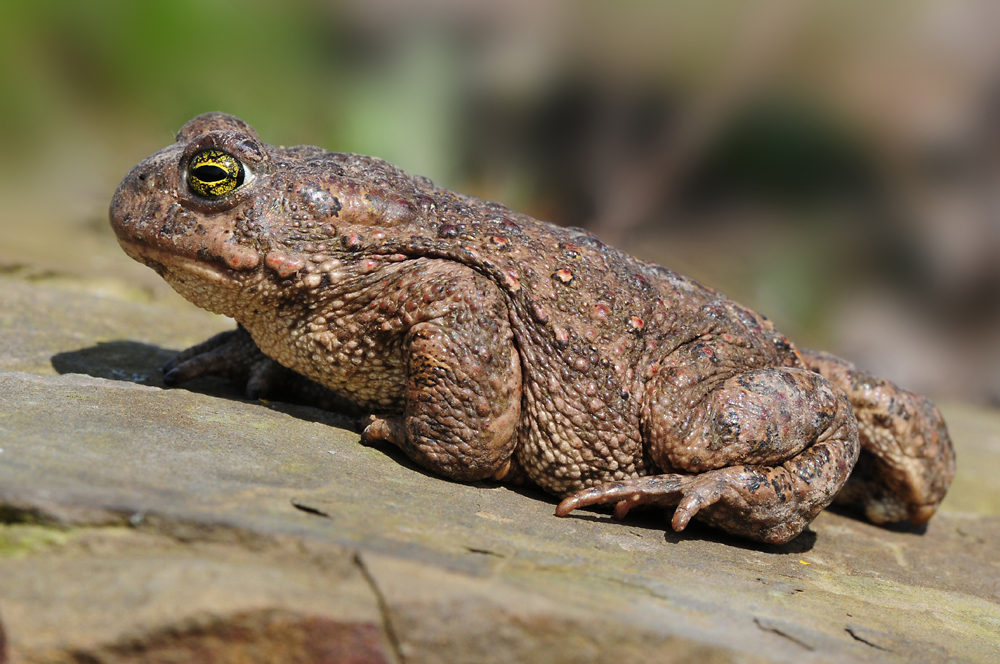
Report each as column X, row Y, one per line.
column 214, row 173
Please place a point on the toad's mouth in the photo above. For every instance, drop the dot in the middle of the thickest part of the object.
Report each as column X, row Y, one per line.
column 167, row 262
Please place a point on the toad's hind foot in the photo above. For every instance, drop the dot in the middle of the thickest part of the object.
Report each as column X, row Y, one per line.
column 770, row 505
column 762, row 453
column 689, row 493
column 797, row 428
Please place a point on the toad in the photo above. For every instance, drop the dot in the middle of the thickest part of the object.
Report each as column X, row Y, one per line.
column 489, row 345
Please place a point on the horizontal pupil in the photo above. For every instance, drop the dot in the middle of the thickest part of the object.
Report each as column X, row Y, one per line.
column 210, row 173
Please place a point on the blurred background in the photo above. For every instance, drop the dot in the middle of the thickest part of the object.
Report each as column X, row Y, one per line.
column 834, row 165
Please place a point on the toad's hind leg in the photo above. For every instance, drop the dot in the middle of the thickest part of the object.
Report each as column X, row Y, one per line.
column 759, row 455
column 907, row 460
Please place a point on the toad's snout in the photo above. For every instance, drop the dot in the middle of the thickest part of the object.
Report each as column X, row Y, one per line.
column 154, row 225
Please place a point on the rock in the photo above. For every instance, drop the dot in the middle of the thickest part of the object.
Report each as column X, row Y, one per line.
column 161, row 600
column 50, row 331
column 207, row 526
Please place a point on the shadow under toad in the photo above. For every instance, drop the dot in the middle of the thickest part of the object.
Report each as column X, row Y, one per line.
column 657, row 519
column 140, row 363
column 135, row 362
column 856, row 513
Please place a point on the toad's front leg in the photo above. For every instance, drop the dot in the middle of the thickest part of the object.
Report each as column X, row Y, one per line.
column 232, row 355
column 235, row 355
column 758, row 454
column 463, row 391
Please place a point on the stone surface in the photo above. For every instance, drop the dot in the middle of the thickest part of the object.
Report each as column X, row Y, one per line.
column 157, row 595
column 210, row 528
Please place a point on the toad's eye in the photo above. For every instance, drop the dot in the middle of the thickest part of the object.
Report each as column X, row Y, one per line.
column 214, row 173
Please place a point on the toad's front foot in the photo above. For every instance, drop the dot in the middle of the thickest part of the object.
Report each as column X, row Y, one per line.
column 235, row 355
column 232, row 355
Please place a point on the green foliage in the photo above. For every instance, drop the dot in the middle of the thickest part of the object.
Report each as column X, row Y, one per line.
column 109, row 71
column 159, row 62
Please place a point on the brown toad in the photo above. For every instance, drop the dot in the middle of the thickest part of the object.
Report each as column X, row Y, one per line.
column 492, row 345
